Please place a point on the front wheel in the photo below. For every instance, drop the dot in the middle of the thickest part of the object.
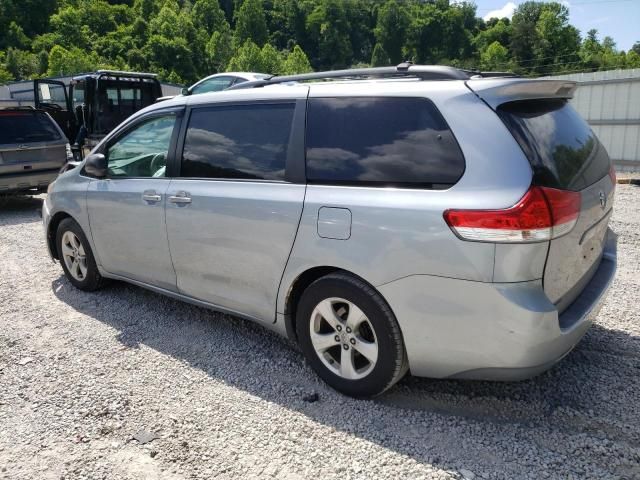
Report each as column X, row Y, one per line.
column 350, row 336
column 76, row 256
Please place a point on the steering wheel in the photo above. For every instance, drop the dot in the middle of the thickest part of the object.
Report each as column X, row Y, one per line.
column 158, row 161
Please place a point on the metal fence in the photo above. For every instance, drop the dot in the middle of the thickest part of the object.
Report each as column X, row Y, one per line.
column 610, row 102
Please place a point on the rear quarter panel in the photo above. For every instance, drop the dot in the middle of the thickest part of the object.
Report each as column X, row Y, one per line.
column 400, row 232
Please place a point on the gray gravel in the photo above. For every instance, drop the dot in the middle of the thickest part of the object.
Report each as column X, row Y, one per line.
column 210, row 396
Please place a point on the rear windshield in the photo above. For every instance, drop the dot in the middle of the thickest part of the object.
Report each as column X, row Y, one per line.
column 26, row 127
column 563, row 151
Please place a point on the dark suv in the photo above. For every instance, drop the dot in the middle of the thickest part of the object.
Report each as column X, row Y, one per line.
column 33, row 148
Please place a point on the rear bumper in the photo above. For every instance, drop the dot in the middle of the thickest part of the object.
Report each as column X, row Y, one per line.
column 17, row 182
column 494, row 331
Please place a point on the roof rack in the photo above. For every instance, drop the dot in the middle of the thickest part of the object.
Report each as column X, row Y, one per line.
column 403, row 70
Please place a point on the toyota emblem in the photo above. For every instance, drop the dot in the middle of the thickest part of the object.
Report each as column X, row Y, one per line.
column 603, row 199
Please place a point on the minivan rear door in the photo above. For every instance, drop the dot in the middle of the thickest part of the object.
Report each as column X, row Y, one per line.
column 52, row 97
column 564, row 154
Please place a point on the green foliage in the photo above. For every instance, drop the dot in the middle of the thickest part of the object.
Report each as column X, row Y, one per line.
column 495, row 57
column 296, row 62
column 74, row 60
column 393, row 21
column 328, row 29
column 251, row 23
column 248, row 58
column 185, row 40
column 379, row 57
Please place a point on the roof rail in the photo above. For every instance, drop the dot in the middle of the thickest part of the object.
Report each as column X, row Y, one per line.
column 116, row 73
column 403, row 70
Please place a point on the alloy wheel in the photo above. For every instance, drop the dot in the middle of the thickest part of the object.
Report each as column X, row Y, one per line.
column 343, row 338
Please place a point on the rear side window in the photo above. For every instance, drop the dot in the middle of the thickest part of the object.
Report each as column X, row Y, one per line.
column 563, row 151
column 27, row 126
column 380, row 141
column 238, row 141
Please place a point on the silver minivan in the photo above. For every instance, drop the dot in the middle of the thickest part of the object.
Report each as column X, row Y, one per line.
column 412, row 218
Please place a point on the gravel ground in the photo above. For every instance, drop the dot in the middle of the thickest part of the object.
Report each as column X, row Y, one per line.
column 81, row 374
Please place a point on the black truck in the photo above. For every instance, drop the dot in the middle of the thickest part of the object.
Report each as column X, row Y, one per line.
column 92, row 104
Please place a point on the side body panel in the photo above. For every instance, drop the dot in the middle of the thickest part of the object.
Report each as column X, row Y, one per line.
column 129, row 232
column 69, row 196
column 231, row 243
column 397, row 232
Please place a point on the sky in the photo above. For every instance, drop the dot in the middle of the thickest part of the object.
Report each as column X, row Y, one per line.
column 619, row 19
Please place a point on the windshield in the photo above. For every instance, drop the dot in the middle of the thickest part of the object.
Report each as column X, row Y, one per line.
column 26, row 126
column 561, row 147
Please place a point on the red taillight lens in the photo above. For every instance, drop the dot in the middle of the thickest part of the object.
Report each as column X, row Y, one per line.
column 612, row 174
column 541, row 214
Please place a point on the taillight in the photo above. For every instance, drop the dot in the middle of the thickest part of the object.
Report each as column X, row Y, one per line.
column 612, row 174
column 542, row 214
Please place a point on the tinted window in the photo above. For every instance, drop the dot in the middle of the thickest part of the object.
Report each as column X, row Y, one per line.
column 240, row 141
column 52, row 94
column 563, row 151
column 380, row 141
column 142, row 152
column 26, row 126
column 119, row 99
column 78, row 94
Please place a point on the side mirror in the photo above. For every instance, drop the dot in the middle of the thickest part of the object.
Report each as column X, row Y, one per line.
column 185, row 91
column 96, row 165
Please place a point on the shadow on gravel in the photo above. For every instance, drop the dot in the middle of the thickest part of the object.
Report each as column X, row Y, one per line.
column 17, row 209
column 261, row 363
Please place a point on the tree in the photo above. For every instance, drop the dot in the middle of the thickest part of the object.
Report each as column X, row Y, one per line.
column 495, row 57
column 286, row 24
column 248, row 58
column 69, row 62
column 328, row 30
column 379, row 57
column 296, row 62
column 251, row 23
column 496, row 31
column 393, row 21
column 542, row 39
column 220, row 49
column 271, row 60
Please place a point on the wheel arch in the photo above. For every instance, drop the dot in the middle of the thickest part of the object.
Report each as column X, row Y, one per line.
column 300, row 284
column 52, row 228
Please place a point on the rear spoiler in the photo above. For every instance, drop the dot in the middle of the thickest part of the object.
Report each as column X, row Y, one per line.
column 496, row 91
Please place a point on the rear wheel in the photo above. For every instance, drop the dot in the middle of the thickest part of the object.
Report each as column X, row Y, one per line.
column 76, row 256
column 350, row 336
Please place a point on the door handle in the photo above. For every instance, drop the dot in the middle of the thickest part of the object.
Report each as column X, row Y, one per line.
column 151, row 196
column 180, row 198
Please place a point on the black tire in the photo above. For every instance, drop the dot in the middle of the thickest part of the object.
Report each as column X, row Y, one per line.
column 92, row 280
column 391, row 363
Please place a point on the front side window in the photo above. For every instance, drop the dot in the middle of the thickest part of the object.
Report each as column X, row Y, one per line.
column 380, row 141
column 78, row 94
column 238, row 141
column 213, row 85
column 142, row 152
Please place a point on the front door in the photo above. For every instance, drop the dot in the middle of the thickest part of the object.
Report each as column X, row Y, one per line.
column 232, row 214
column 127, row 209
column 51, row 96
